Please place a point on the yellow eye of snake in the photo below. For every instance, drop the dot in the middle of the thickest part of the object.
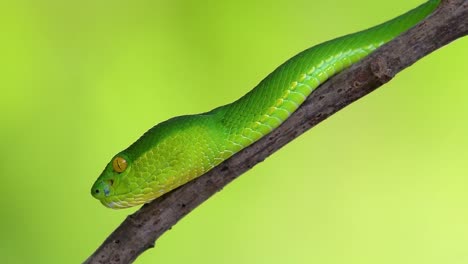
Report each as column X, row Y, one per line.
column 119, row 164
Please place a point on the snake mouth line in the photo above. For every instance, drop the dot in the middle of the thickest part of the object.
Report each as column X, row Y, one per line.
column 118, row 204
column 125, row 200
column 114, row 205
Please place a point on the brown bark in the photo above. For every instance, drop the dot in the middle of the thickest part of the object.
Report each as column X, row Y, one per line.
column 139, row 231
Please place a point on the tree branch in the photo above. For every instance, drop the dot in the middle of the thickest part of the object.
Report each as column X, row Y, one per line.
column 139, row 231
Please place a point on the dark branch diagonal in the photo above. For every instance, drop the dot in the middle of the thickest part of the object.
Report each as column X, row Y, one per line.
column 139, row 231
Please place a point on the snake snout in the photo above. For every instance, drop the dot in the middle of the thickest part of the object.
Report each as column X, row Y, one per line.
column 101, row 189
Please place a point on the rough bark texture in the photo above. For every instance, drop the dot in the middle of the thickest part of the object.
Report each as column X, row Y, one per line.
column 139, row 231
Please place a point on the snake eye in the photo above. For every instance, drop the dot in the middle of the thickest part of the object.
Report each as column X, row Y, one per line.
column 119, row 164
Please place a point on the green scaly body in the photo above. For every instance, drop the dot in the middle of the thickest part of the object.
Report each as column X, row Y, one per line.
column 183, row 148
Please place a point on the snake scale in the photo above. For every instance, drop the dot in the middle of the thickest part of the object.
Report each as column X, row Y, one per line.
column 182, row 148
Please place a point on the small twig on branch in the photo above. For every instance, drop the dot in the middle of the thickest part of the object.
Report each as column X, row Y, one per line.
column 139, row 231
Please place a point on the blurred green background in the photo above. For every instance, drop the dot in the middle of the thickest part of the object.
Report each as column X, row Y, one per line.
column 383, row 181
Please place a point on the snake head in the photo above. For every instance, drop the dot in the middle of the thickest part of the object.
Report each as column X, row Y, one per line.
column 108, row 188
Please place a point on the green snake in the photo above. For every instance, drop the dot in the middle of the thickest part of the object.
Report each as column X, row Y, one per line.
column 182, row 148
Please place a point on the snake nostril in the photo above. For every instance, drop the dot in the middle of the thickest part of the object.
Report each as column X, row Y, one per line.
column 96, row 191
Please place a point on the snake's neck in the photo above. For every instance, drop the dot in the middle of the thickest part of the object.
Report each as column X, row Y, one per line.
column 273, row 100
column 267, row 106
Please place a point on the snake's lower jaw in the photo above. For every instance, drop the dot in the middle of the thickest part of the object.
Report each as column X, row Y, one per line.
column 114, row 205
column 120, row 204
column 125, row 201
